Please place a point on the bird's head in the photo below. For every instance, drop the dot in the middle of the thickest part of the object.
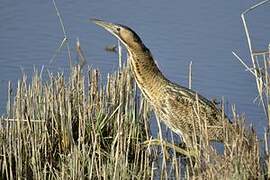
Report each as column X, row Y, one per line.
column 126, row 35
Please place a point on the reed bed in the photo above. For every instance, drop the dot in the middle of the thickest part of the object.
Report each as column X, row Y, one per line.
column 81, row 126
column 76, row 129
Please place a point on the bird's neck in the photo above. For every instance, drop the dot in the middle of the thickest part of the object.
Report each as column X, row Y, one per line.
column 148, row 77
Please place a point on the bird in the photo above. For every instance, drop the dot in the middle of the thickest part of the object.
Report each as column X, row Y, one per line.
column 179, row 108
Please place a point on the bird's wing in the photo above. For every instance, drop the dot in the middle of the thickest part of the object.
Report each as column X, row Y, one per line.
column 183, row 102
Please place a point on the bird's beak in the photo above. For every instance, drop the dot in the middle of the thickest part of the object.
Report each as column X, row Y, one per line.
column 112, row 28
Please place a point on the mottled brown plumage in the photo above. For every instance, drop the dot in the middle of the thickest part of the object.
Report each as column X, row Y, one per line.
column 180, row 108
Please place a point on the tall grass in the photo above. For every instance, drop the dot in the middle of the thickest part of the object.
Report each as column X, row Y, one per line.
column 79, row 127
column 75, row 129
column 82, row 127
column 260, row 70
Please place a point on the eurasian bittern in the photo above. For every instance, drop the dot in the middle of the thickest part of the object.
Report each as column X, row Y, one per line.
column 180, row 108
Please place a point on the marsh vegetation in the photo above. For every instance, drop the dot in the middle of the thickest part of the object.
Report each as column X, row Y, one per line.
column 81, row 126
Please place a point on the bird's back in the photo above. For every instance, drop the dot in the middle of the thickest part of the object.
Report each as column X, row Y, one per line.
column 184, row 111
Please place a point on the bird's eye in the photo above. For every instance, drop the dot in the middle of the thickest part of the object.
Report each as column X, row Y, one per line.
column 118, row 29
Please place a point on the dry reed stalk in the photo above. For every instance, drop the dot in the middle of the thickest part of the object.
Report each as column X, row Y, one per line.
column 260, row 72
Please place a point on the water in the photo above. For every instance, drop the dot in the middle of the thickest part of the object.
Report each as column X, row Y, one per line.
column 176, row 32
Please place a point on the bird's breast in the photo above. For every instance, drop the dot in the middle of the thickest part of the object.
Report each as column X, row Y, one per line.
column 148, row 77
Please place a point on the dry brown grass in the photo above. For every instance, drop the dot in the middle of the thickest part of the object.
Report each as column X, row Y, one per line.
column 78, row 127
column 73, row 129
